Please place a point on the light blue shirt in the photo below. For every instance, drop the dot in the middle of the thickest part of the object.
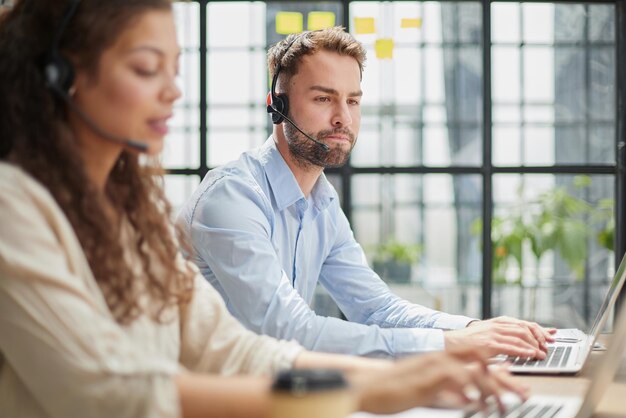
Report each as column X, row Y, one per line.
column 264, row 246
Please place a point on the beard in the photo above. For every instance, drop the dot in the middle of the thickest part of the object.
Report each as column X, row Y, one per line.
column 307, row 153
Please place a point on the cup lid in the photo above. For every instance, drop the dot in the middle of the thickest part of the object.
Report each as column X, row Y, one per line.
column 301, row 381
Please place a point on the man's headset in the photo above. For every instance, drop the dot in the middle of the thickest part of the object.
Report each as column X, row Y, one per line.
column 58, row 73
column 278, row 104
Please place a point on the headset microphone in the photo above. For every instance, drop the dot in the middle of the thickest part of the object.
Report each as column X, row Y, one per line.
column 58, row 73
column 274, row 110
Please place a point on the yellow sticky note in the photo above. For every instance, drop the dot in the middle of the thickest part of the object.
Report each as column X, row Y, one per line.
column 384, row 48
column 364, row 25
column 289, row 22
column 320, row 20
column 411, row 22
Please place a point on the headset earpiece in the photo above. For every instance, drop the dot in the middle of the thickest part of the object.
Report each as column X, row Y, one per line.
column 277, row 104
column 58, row 72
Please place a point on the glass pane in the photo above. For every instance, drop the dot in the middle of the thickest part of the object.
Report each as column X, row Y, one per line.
column 189, row 78
column 407, row 77
column 538, row 74
column 236, row 76
column 434, row 79
column 506, row 82
column 424, row 104
column 183, row 142
column 182, row 147
column 601, row 23
column 370, row 149
column 434, row 213
column 537, row 23
column 553, row 247
column 236, row 79
column 569, row 22
column 305, row 12
column 570, row 103
column 236, row 24
column 404, row 33
column 178, row 188
column 602, row 78
column 227, row 144
column 505, row 23
column 187, row 17
column 561, row 79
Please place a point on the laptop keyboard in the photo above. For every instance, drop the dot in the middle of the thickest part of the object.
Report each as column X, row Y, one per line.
column 528, row 409
column 556, row 357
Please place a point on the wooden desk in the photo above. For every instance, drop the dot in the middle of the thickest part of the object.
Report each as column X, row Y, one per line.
column 613, row 404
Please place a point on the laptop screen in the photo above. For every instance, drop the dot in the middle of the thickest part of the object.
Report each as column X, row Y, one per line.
column 608, row 364
column 609, row 300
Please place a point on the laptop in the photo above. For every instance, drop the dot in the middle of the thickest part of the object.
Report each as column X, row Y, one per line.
column 567, row 355
column 543, row 406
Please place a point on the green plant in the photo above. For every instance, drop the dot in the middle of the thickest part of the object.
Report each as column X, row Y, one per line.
column 554, row 221
column 394, row 250
column 392, row 260
column 507, row 235
column 558, row 223
column 605, row 215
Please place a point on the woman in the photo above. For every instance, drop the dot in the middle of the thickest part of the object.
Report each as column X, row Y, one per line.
column 99, row 315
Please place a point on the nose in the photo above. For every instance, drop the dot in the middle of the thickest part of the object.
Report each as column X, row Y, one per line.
column 171, row 91
column 342, row 116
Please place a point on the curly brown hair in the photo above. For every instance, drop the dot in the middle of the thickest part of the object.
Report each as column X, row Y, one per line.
column 35, row 135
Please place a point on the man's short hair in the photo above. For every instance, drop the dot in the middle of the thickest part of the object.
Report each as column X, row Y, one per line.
column 291, row 50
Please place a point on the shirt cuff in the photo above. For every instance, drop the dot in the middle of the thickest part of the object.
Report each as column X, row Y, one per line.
column 417, row 340
column 446, row 321
column 291, row 351
column 272, row 356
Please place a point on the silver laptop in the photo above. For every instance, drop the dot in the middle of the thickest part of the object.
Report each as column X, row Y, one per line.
column 572, row 347
column 542, row 405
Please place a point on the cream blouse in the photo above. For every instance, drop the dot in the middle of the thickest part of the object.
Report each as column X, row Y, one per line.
column 62, row 354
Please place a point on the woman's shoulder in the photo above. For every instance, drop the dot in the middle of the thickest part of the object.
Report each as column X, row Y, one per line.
column 9, row 172
column 14, row 178
column 21, row 192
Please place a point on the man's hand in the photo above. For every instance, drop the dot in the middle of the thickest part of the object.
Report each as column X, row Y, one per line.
column 460, row 375
column 503, row 335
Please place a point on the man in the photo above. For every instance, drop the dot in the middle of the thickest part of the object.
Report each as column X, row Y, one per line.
column 267, row 227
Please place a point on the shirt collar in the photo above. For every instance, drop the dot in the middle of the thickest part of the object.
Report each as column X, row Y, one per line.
column 285, row 188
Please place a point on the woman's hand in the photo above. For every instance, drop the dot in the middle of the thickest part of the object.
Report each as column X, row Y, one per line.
column 460, row 375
